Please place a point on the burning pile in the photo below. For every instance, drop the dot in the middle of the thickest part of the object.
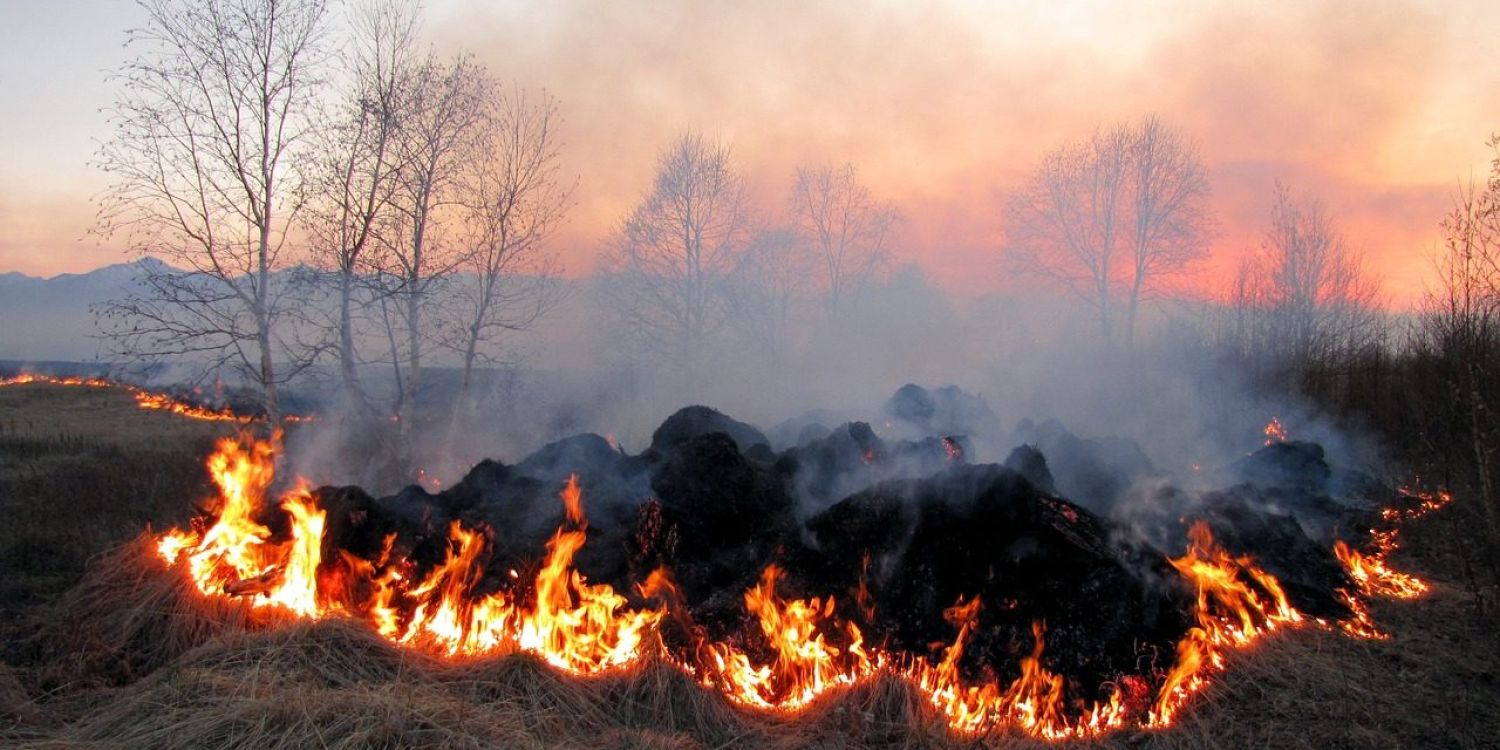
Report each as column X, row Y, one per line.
column 1004, row 604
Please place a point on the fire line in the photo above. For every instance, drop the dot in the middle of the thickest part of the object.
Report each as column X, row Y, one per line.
column 584, row 628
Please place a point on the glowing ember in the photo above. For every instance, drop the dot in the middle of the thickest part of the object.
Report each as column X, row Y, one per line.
column 1275, row 432
column 805, row 650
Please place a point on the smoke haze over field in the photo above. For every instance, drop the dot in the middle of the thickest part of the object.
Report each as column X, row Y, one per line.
column 1379, row 109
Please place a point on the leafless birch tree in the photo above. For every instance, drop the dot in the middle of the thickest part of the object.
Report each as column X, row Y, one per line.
column 1110, row 216
column 1305, row 297
column 358, row 166
column 667, row 268
column 1168, row 209
column 847, row 228
column 505, row 280
column 204, row 161
column 439, row 143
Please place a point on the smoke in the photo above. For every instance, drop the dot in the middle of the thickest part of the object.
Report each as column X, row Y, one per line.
column 869, row 393
column 946, row 121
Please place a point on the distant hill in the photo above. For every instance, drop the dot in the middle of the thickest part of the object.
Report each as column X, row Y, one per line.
column 50, row 318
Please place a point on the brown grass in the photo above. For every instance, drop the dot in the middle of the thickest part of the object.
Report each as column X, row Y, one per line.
column 129, row 656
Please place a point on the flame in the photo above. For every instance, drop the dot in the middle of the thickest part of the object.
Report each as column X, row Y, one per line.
column 26, row 377
column 1237, row 603
column 805, row 665
column 163, row 402
column 799, row 649
column 1374, row 577
column 573, row 625
column 1275, row 432
column 148, row 400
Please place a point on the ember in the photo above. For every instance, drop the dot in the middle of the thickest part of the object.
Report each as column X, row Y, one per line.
column 1275, row 431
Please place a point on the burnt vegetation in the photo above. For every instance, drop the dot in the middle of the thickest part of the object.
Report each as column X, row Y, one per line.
column 913, row 528
column 931, row 530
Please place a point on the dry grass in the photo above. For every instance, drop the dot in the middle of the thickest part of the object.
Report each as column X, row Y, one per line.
column 130, row 656
column 82, row 469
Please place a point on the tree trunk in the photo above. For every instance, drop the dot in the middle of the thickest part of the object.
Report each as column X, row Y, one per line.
column 348, row 363
column 269, row 399
column 1135, row 299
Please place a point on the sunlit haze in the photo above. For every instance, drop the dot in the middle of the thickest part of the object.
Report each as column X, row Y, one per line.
column 1379, row 109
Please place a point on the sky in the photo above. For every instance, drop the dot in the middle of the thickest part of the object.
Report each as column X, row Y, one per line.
column 1378, row 109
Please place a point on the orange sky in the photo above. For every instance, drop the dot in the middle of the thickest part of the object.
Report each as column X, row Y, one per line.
column 1377, row 108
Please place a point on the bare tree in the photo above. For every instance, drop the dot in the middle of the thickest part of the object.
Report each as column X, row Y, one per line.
column 1305, row 297
column 440, row 142
column 505, row 280
column 358, row 166
column 846, row 226
column 1064, row 223
column 768, row 288
column 668, row 263
column 1461, row 323
column 1168, row 209
column 1111, row 216
column 205, row 175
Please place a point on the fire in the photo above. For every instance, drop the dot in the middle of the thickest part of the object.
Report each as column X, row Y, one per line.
column 799, row 649
column 1374, row 577
column 573, row 625
column 163, row 402
column 144, row 399
column 1237, row 603
column 805, row 665
column 1275, row 432
column 27, row 377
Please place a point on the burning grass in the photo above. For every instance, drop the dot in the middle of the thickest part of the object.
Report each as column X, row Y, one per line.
column 136, row 655
column 336, row 683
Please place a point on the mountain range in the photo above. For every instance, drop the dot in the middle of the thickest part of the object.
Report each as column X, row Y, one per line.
column 51, row 318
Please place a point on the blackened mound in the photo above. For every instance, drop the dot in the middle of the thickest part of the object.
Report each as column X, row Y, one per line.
column 898, row 531
column 693, row 421
column 987, row 531
column 941, row 411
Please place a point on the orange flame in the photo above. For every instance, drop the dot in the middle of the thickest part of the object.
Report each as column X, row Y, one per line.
column 1237, row 603
column 163, row 402
column 807, row 649
column 805, row 664
column 144, row 399
column 1374, row 577
column 574, row 625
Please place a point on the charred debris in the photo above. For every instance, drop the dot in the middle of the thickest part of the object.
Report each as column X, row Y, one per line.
column 1070, row 531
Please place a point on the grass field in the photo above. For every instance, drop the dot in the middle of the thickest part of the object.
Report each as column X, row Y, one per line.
column 103, row 648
